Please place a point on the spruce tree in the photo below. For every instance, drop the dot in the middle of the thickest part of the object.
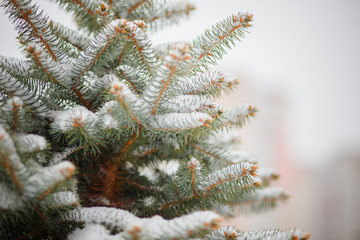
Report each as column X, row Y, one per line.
column 104, row 135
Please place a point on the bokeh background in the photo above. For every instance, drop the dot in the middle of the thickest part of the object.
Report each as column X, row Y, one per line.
column 300, row 64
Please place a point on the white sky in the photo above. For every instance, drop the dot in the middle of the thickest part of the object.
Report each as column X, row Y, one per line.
column 308, row 51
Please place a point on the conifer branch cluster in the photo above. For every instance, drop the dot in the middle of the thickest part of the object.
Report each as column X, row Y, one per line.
column 106, row 135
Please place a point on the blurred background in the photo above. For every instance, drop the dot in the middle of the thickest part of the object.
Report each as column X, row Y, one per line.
column 300, row 64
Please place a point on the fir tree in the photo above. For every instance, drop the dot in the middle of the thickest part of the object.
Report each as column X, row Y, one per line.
column 106, row 135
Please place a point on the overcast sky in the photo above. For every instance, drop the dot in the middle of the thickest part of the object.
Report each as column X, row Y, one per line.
column 308, row 51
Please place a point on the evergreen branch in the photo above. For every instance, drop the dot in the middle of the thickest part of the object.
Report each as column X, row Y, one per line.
column 223, row 154
column 210, row 82
column 180, row 121
column 144, row 150
column 28, row 143
column 136, row 5
column 68, row 35
column 194, row 166
column 12, row 87
column 238, row 115
column 156, row 88
column 83, row 11
column 52, row 69
column 84, row 5
column 47, row 179
column 223, row 137
column 105, row 13
column 106, row 114
column 61, row 199
column 162, row 50
column 232, row 172
column 142, row 228
column 79, row 126
column 226, row 233
column 12, row 162
column 134, row 106
column 132, row 77
column 220, row 184
column 210, row 46
column 60, row 156
column 128, row 143
column 15, row 106
column 158, row 228
column 98, row 86
column 109, row 216
column 103, row 40
column 290, row 234
column 96, row 231
column 33, row 25
column 15, row 66
column 76, row 117
column 186, row 103
column 167, row 13
column 143, row 46
column 56, row 73
column 10, row 199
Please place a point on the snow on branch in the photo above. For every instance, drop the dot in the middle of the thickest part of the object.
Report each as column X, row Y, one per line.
column 79, row 126
column 61, row 199
column 162, row 50
column 44, row 181
column 224, row 233
column 227, row 233
column 106, row 115
column 238, row 115
column 93, row 231
column 60, row 156
column 223, row 154
column 31, row 143
column 104, row 39
column 226, row 175
column 187, row 103
column 69, row 35
column 223, row 137
column 77, row 117
column 211, row 46
column 166, row 74
column 137, row 108
column 52, row 69
column 180, row 121
column 10, row 199
column 105, row 13
column 131, row 76
column 154, row 228
column 109, row 216
column 13, row 112
column 15, row 66
column 13, row 87
column 157, row 228
column 12, row 163
column 98, row 85
column 210, row 82
column 165, row 14
column 126, row 8
column 289, row 234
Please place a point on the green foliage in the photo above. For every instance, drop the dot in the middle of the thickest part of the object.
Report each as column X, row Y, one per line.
column 103, row 133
